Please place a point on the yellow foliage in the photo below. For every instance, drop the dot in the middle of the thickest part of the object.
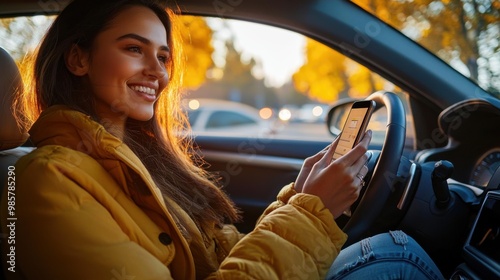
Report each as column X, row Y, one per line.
column 327, row 74
column 381, row 83
column 496, row 4
column 492, row 18
column 360, row 82
column 446, row 32
column 197, row 50
column 322, row 76
column 425, row 32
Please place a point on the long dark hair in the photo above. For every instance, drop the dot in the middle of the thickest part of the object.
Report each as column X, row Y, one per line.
column 167, row 155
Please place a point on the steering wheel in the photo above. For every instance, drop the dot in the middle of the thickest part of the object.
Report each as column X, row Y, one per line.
column 379, row 188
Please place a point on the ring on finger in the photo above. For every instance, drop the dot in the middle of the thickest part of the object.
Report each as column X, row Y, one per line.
column 361, row 181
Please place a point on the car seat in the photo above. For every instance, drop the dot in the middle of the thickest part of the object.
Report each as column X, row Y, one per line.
column 11, row 135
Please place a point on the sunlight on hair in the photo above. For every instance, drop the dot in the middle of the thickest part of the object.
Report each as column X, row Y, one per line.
column 25, row 105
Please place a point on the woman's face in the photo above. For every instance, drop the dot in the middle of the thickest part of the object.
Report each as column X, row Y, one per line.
column 127, row 66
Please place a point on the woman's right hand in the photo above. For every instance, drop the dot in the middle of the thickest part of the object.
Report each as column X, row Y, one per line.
column 339, row 182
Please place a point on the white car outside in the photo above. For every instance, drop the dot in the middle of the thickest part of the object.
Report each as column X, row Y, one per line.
column 223, row 117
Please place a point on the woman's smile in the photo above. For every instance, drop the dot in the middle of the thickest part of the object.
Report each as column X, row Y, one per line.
column 145, row 92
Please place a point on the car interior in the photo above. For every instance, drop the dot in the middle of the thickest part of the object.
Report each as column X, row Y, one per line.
column 433, row 189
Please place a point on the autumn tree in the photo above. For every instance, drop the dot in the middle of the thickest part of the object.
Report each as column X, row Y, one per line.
column 242, row 84
column 468, row 30
column 236, row 72
column 328, row 75
column 237, row 83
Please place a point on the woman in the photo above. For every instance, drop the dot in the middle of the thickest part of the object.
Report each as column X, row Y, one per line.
column 112, row 192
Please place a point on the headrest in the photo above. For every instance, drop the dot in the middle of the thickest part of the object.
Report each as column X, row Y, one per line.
column 11, row 135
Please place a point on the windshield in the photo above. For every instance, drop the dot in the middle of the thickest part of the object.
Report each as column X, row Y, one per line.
column 463, row 33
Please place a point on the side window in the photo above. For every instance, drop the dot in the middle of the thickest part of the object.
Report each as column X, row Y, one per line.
column 289, row 80
column 219, row 119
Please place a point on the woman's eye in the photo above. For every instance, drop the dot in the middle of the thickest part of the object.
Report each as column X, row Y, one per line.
column 162, row 59
column 134, row 49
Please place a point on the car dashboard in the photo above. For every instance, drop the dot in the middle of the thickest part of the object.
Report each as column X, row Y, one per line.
column 472, row 131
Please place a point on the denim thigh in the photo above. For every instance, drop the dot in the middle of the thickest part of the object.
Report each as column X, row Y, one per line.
column 392, row 255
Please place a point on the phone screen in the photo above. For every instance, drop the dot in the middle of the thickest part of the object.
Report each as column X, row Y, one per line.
column 356, row 121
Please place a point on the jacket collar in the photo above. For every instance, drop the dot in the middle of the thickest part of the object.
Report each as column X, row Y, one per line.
column 60, row 125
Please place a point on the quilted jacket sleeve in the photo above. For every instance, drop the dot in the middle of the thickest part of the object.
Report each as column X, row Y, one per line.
column 296, row 238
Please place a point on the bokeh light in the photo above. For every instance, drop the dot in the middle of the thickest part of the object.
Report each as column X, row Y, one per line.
column 266, row 113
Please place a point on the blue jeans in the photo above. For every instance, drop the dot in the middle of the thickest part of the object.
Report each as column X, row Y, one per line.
column 392, row 255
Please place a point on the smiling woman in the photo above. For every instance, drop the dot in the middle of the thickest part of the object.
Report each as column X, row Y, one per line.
column 125, row 71
column 101, row 80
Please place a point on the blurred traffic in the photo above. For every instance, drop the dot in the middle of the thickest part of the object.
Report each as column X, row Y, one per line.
column 227, row 118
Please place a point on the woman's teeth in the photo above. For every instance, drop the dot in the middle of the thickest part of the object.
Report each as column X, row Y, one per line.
column 143, row 89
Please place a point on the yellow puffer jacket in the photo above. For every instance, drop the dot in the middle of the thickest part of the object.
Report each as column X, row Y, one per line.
column 77, row 218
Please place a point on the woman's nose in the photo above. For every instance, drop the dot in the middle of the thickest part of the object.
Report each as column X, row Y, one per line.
column 155, row 68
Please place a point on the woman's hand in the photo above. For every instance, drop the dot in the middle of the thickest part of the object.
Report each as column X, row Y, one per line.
column 338, row 183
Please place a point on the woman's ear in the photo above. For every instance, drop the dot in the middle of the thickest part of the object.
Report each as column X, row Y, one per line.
column 77, row 60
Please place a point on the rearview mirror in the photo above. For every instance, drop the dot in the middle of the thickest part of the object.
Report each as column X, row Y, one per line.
column 337, row 115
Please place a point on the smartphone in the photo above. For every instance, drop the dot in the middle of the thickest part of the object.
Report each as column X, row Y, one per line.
column 354, row 127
